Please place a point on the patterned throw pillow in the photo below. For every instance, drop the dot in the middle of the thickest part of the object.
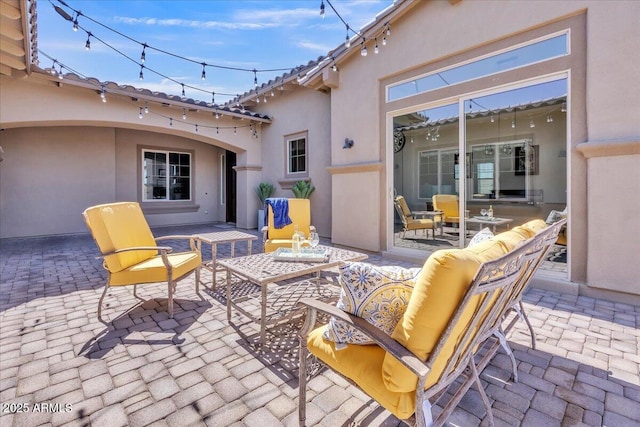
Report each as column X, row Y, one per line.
column 481, row 236
column 377, row 294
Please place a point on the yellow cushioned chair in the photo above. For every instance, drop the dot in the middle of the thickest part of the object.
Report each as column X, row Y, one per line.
column 300, row 214
column 448, row 204
column 131, row 254
column 408, row 221
column 451, row 328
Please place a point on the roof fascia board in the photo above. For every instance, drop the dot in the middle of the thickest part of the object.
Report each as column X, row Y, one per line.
column 146, row 97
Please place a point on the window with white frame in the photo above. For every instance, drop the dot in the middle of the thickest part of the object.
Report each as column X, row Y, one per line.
column 438, row 172
column 166, row 175
column 297, row 155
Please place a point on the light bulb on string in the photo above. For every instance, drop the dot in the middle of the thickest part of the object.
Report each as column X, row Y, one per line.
column 549, row 118
column 87, row 45
column 384, row 40
column 264, row 98
column 363, row 48
column 170, row 122
column 60, row 73
column 255, row 78
column 388, row 31
column 140, row 113
column 184, row 114
column 53, row 68
column 213, row 98
column 146, row 108
column 196, row 128
column 272, row 93
column 217, row 114
column 75, row 22
column 143, row 55
column 347, row 42
column 335, row 67
column 375, row 48
column 103, row 94
column 141, row 75
column 217, row 130
column 204, row 73
column 322, row 8
column 183, row 95
column 258, row 99
column 235, row 131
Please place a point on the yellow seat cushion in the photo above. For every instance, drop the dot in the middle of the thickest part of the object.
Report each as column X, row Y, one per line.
column 117, row 226
column 363, row 365
column 448, row 204
column 153, row 269
column 300, row 214
column 439, row 288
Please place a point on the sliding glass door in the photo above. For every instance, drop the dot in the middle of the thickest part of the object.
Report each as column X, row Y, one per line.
column 514, row 163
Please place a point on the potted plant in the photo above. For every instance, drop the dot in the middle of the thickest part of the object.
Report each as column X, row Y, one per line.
column 264, row 190
column 302, row 189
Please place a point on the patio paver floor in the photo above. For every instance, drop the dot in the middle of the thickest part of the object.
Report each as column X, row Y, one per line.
column 61, row 366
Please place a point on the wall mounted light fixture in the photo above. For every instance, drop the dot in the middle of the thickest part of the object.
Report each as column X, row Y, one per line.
column 348, row 143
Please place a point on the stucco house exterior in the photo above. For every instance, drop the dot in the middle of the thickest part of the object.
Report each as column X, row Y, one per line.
column 448, row 72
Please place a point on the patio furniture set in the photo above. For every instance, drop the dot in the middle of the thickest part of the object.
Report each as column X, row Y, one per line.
column 384, row 335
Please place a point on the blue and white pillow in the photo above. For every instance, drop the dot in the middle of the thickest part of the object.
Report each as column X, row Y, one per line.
column 481, row 236
column 377, row 294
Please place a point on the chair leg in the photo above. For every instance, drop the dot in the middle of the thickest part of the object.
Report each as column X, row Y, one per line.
column 483, row 395
column 172, row 286
column 104, row 292
column 523, row 315
column 302, row 385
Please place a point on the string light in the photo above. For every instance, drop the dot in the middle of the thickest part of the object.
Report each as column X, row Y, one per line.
column 141, row 75
column 196, row 128
column 77, row 13
column 213, row 98
column 103, row 94
column 235, row 130
column 143, row 55
column 255, row 78
column 375, row 48
column 204, row 73
column 140, row 113
column 347, row 42
column 184, row 114
column 170, row 122
column 183, row 95
column 322, row 9
column 363, row 48
column 146, row 108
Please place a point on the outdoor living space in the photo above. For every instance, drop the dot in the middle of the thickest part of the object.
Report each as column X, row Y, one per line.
column 143, row 368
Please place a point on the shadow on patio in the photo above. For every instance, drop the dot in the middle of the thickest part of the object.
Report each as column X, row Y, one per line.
column 196, row 369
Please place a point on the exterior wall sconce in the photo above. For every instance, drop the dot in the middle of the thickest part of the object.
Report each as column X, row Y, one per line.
column 348, row 143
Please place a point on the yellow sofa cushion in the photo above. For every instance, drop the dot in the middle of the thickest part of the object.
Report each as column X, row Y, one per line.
column 363, row 365
column 118, row 226
column 444, row 279
column 153, row 269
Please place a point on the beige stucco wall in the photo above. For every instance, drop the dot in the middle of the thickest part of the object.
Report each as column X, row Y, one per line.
column 605, row 105
column 297, row 111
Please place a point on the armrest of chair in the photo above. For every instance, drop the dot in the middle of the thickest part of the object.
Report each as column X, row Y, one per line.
column 265, row 233
column 390, row 345
column 192, row 240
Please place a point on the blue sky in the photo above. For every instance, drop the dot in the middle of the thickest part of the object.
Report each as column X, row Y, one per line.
column 247, row 34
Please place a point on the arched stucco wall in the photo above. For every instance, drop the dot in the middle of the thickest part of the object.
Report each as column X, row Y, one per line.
column 67, row 150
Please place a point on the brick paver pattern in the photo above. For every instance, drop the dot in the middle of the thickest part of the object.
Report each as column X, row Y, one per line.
column 59, row 365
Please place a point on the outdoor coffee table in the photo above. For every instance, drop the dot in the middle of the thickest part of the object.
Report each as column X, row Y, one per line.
column 277, row 300
column 491, row 222
column 214, row 239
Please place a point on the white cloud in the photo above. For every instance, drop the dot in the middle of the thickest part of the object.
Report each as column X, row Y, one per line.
column 195, row 23
column 314, row 47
